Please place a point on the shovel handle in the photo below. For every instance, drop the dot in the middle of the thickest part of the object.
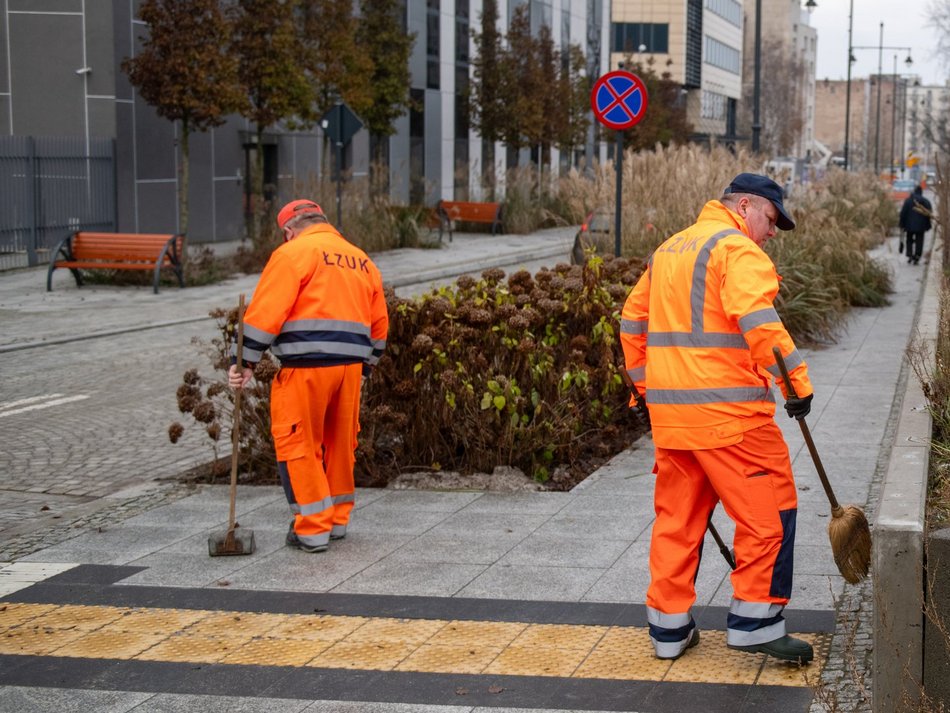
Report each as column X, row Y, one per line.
column 780, row 361
column 236, row 427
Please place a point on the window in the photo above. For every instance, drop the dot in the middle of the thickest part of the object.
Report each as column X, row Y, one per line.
column 713, row 105
column 728, row 10
column 722, row 55
column 629, row 36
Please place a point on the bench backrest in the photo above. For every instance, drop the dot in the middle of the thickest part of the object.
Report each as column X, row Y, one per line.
column 144, row 247
column 475, row 212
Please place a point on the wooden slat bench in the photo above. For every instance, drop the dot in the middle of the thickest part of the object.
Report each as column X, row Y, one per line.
column 118, row 251
column 468, row 212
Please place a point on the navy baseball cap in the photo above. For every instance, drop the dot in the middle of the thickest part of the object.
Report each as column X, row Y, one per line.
column 766, row 188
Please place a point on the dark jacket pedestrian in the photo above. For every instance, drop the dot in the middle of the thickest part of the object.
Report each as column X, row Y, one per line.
column 915, row 221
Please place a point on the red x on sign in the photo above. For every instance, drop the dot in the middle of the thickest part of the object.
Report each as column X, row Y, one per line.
column 619, row 99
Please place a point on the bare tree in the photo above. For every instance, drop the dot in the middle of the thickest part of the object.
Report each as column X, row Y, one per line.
column 184, row 71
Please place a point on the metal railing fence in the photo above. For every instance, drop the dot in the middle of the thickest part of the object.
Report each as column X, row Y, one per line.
column 50, row 186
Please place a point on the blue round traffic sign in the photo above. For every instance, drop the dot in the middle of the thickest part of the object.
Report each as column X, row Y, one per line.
column 619, row 99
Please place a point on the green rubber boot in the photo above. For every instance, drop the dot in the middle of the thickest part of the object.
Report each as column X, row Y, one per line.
column 786, row 649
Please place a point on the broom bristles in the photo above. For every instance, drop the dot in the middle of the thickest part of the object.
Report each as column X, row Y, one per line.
column 850, row 537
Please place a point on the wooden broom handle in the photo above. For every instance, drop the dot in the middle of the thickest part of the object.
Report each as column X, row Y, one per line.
column 236, row 427
column 805, row 432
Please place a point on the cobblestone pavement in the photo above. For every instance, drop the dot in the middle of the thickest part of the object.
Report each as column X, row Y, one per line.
column 84, row 426
column 89, row 378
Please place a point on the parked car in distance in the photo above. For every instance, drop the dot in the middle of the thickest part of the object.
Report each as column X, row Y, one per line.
column 901, row 188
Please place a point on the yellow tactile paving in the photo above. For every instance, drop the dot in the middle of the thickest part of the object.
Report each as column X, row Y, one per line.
column 14, row 614
column 381, row 655
column 157, row 620
column 200, row 649
column 397, row 631
column 277, row 652
column 82, row 618
column 107, row 645
column 561, row 636
column 537, row 661
column 35, row 640
column 236, row 624
column 384, row 643
column 317, row 628
column 435, row 658
column 624, row 653
column 477, row 633
column 723, row 664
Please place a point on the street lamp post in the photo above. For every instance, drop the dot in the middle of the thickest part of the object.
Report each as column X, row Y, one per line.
column 880, row 47
column 756, row 125
column 847, row 100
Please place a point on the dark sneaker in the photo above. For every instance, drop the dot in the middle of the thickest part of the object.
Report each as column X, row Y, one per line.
column 294, row 541
column 693, row 641
column 787, row 649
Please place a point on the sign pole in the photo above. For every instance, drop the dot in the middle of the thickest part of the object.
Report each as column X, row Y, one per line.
column 619, row 208
column 339, row 185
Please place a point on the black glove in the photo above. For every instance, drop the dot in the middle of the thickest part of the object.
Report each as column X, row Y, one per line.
column 799, row 408
column 643, row 414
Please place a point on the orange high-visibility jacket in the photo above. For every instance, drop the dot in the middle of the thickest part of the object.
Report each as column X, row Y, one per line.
column 319, row 302
column 697, row 333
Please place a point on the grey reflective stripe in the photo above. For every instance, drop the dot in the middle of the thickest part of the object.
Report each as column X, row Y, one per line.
column 726, row 340
column 668, row 621
column 325, row 325
column 638, row 374
column 697, row 298
column 315, row 507
column 345, row 498
column 258, row 335
column 633, row 326
column 697, row 336
column 248, row 354
column 791, row 361
column 379, row 346
column 758, row 318
column 755, row 610
column 732, row 394
column 321, row 538
column 738, row 637
column 763, row 611
column 362, row 351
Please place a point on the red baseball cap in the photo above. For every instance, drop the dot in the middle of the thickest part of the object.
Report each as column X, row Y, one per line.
column 295, row 208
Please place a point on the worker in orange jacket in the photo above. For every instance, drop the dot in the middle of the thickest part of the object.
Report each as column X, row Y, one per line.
column 697, row 333
column 319, row 307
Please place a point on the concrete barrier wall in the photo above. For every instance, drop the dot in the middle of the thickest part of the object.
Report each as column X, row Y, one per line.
column 936, row 654
column 898, row 557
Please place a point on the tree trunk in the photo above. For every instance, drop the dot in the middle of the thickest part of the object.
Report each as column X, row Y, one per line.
column 183, row 178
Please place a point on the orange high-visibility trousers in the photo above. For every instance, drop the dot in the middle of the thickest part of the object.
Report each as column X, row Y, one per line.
column 314, row 422
column 753, row 480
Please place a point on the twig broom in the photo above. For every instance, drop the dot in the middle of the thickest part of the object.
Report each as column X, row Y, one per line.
column 848, row 530
column 236, row 540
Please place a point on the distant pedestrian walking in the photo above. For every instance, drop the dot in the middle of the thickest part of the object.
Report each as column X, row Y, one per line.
column 319, row 307
column 915, row 221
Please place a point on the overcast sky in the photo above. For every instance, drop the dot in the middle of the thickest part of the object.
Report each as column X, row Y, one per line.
column 905, row 25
